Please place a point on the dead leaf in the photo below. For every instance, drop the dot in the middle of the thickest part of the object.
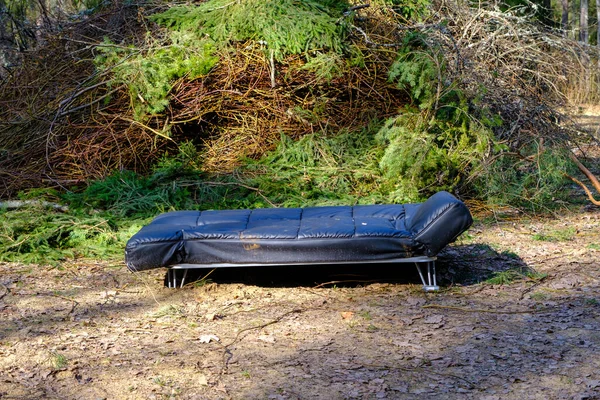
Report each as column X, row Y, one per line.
column 210, row 316
column 347, row 314
column 415, row 301
column 266, row 338
column 434, row 319
column 208, row 338
column 203, row 380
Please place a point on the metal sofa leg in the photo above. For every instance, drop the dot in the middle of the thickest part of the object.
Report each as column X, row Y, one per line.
column 429, row 285
column 172, row 278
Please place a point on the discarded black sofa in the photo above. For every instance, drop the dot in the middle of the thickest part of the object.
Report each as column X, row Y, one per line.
column 403, row 233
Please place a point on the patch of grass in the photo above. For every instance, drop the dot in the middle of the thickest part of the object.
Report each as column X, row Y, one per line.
column 540, row 296
column 202, row 282
column 509, row 254
column 58, row 361
column 592, row 302
column 558, row 235
column 513, row 275
column 159, row 381
column 504, row 277
column 366, row 315
column 536, row 276
column 169, row 310
column 593, row 246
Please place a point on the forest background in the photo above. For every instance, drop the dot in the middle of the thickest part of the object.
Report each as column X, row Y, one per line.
column 114, row 111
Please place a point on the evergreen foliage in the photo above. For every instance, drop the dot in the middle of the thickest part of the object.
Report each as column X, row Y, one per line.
column 325, row 66
column 284, row 27
column 150, row 75
column 423, row 156
column 442, row 142
column 127, row 194
column 322, row 169
column 39, row 235
column 418, row 69
column 406, row 10
column 533, row 181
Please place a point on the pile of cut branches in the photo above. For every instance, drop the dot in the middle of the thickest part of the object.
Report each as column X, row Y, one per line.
column 116, row 91
column 73, row 122
column 60, row 121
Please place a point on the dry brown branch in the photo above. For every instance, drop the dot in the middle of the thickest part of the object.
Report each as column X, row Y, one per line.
column 585, row 188
column 586, row 171
column 91, row 103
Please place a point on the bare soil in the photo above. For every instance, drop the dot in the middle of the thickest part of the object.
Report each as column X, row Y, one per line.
column 97, row 331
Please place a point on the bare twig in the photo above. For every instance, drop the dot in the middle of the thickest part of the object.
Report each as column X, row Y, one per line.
column 227, row 355
column 344, row 281
column 14, row 204
column 91, row 103
column 261, row 326
column 272, row 64
column 370, row 42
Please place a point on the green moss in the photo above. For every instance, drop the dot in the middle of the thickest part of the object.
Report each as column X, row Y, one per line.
column 558, row 235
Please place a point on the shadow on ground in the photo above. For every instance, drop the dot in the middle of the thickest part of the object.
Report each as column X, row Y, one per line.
column 458, row 265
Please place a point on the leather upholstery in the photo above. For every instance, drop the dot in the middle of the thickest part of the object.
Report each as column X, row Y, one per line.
column 299, row 235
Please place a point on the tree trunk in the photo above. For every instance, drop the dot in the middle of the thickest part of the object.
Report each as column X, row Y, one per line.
column 546, row 16
column 575, row 14
column 584, row 36
column 564, row 18
column 598, row 39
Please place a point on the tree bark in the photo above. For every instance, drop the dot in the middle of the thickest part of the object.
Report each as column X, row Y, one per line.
column 598, row 30
column 564, row 18
column 584, row 36
column 575, row 14
column 546, row 16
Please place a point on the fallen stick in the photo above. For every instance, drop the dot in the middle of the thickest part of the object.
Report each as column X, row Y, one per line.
column 15, row 204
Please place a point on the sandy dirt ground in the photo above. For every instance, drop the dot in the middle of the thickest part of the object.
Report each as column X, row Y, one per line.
column 96, row 331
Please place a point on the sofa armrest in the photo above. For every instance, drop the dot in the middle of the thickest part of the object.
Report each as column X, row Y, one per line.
column 439, row 221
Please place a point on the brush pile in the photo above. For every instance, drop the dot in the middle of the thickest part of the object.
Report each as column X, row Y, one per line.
column 127, row 84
